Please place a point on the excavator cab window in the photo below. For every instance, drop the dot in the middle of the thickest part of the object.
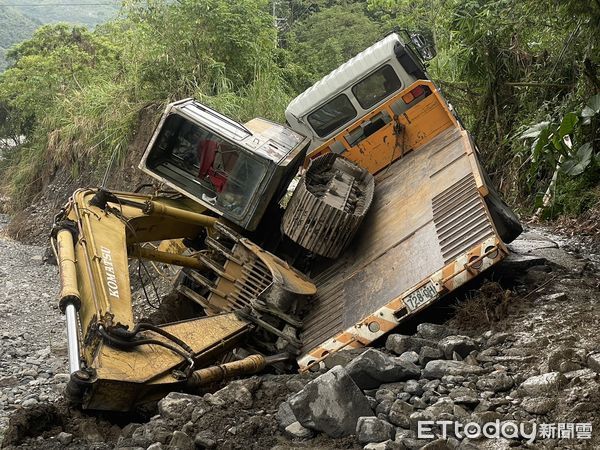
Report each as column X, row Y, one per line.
column 213, row 169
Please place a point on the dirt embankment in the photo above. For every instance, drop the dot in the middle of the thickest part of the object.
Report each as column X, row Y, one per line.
column 32, row 225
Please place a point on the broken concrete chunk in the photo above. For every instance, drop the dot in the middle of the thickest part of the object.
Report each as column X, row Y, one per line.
column 331, row 403
column 373, row 368
column 372, row 429
column 439, row 368
column 461, row 345
column 546, row 384
column 400, row 343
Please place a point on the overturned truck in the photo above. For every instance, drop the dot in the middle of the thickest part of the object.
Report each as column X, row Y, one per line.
column 295, row 241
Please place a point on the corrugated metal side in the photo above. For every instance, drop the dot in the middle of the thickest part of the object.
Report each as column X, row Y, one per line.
column 460, row 218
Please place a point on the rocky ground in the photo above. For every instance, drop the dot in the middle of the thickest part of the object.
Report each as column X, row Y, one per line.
column 522, row 349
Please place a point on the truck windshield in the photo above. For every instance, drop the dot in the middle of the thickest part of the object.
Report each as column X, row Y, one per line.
column 332, row 115
column 202, row 163
column 377, row 86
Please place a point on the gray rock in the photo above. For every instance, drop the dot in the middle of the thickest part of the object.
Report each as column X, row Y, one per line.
column 419, row 416
column 205, row 439
column 442, row 406
column 297, row 431
column 461, row 345
column 239, row 391
column 496, row 381
column 593, row 362
column 411, row 356
column 285, row 416
column 439, row 368
column 90, row 433
column 429, row 354
column 155, row 446
column 372, row 368
column 499, row 338
column 64, row 438
column 438, row 444
column 178, row 406
column 413, row 388
column 538, row 405
column 385, row 445
column 564, row 360
column 400, row 413
column 343, row 358
column 399, row 343
column 384, row 407
column 546, row 384
column 464, row 396
column 372, row 429
column 433, row 332
column 331, row 403
column 181, row 441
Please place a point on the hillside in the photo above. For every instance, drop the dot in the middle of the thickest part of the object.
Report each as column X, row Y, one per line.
column 18, row 22
column 70, row 11
column 15, row 26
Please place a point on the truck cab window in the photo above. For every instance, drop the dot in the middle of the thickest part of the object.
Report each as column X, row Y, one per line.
column 213, row 169
column 380, row 84
column 332, row 115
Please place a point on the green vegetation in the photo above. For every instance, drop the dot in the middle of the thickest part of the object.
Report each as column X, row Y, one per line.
column 523, row 75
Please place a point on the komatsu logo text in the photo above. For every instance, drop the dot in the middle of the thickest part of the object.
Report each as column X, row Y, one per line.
column 109, row 270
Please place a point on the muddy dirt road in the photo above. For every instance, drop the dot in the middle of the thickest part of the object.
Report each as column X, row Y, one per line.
column 534, row 357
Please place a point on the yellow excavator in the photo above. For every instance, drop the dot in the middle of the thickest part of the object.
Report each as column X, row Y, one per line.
column 294, row 242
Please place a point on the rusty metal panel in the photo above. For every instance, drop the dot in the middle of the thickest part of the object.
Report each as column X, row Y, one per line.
column 417, row 223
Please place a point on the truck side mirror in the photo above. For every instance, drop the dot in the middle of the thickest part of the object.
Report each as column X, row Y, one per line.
column 426, row 50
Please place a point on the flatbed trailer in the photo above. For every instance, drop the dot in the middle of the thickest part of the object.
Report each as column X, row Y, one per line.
column 429, row 229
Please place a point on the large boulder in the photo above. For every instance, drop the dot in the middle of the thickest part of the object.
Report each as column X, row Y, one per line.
column 400, row 343
column 440, row 368
column 373, row 368
column 331, row 403
column 372, row 429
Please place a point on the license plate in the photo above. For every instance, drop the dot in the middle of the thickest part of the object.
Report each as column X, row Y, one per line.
column 422, row 296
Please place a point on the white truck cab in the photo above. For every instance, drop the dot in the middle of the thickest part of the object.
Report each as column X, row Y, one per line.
column 354, row 89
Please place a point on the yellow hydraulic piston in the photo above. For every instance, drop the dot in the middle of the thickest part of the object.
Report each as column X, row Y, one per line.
column 165, row 257
column 69, row 294
column 247, row 366
column 153, row 208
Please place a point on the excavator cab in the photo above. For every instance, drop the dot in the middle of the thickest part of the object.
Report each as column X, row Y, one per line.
column 234, row 170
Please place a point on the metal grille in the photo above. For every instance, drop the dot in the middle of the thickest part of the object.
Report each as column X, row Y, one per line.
column 460, row 218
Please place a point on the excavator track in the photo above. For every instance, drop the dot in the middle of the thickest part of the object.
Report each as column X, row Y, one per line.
column 328, row 205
